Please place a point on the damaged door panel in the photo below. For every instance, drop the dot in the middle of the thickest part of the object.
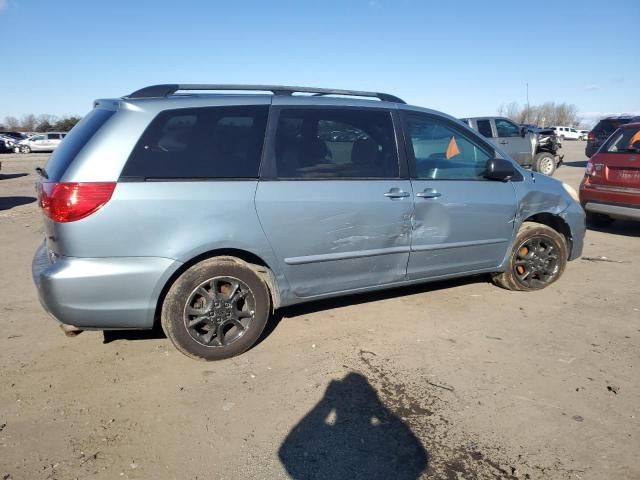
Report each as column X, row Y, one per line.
column 463, row 222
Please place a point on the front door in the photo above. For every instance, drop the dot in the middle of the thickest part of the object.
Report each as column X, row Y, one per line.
column 463, row 222
column 331, row 199
column 510, row 139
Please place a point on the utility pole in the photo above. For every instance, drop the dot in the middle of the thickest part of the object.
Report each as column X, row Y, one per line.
column 528, row 109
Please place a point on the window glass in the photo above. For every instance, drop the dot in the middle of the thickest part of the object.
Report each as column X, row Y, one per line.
column 53, row 136
column 332, row 143
column 212, row 142
column 443, row 153
column 626, row 140
column 37, row 137
column 484, row 127
column 78, row 137
column 505, row 128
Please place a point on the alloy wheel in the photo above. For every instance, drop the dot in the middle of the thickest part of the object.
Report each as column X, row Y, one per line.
column 536, row 262
column 219, row 311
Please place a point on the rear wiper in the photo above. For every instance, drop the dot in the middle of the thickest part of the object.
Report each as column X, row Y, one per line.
column 42, row 172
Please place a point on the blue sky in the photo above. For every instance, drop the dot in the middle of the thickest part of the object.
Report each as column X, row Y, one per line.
column 461, row 57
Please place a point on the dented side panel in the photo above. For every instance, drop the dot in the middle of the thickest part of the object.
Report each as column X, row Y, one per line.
column 331, row 236
column 541, row 194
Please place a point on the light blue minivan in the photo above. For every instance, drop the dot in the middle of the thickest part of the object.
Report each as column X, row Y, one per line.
column 205, row 211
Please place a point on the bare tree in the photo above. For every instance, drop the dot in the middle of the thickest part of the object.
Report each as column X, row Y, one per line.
column 546, row 114
column 28, row 123
column 40, row 123
column 11, row 123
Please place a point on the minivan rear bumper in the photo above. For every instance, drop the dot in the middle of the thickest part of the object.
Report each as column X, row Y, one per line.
column 101, row 293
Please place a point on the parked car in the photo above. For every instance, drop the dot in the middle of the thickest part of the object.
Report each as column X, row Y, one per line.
column 15, row 135
column 6, row 143
column 583, row 134
column 42, row 142
column 531, row 149
column 611, row 186
column 206, row 213
column 566, row 133
column 603, row 129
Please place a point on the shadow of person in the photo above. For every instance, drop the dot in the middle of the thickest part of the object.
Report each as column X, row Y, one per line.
column 351, row 434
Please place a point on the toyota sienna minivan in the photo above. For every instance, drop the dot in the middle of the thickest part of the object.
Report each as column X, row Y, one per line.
column 205, row 212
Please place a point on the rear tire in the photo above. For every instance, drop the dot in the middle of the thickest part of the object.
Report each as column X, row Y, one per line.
column 537, row 259
column 599, row 220
column 545, row 163
column 216, row 309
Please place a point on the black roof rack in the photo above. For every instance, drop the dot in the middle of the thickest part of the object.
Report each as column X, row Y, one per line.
column 170, row 89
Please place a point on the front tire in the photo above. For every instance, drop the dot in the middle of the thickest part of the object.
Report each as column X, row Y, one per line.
column 538, row 258
column 216, row 309
column 25, row 149
column 544, row 163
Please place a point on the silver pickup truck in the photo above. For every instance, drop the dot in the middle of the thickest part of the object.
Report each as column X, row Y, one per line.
column 530, row 147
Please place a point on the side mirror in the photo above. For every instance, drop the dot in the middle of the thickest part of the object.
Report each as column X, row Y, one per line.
column 523, row 131
column 499, row 169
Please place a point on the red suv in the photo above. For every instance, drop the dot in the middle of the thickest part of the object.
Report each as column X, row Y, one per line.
column 611, row 185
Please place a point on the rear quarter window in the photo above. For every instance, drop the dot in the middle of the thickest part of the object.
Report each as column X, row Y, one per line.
column 74, row 141
column 200, row 143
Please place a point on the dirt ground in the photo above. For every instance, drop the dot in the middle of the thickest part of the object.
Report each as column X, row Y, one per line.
column 452, row 380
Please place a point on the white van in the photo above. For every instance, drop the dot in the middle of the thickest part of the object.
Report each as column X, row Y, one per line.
column 567, row 133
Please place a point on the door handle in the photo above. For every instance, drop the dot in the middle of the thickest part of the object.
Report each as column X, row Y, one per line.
column 396, row 193
column 503, row 142
column 429, row 193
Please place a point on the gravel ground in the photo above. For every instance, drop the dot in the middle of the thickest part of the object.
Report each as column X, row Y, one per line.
column 456, row 379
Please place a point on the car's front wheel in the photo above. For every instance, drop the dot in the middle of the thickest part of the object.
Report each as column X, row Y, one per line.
column 25, row 149
column 544, row 163
column 537, row 259
column 216, row 309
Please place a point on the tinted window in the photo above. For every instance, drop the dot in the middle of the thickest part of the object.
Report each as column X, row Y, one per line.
column 507, row 129
column 332, row 143
column 74, row 141
column 37, row 137
column 625, row 140
column 484, row 127
column 606, row 127
column 443, row 153
column 53, row 136
column 212, row 142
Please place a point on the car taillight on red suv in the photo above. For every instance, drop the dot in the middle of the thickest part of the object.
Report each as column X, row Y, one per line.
column 591, row 136
column 71, row 201
column 594, row 169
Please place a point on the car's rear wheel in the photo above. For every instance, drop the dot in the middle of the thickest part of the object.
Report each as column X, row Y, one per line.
column 216, row 309
column 544, row 163
column 599, row 219
column 537, row 259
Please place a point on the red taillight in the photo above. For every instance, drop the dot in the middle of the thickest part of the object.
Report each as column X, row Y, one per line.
column 68, row 202
column 591, row 137
column 594, row 168
column 589, row 169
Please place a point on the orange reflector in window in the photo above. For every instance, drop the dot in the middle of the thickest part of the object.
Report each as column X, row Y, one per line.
column 452, row 148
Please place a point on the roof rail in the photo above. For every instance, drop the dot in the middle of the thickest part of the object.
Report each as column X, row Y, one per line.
column 170, row 89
